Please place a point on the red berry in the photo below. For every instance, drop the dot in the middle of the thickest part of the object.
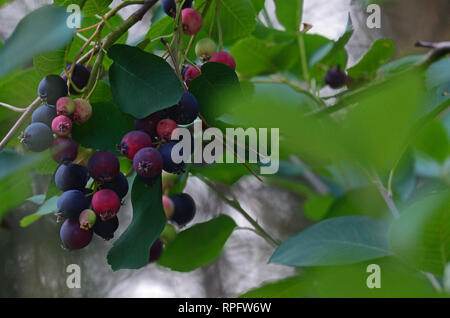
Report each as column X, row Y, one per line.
column 62, row 125
column 192, row 21
column 103, row 166
column 64, row 150
column 165, row 128
column 65, row 106
column 72, row 236
column 134, row 141
column 190, row 74
column 148, row 162
column 224, row 58
column 106, row 204
column 148, row 124
column 83, row 111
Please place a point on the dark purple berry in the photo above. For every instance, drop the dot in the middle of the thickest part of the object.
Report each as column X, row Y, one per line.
column 37, row 137
column 155, row 251
column 119, row 185
column 73, row 237
column 148, row 162
column 134, row 141
column 103, row 166
column 149, row 123
column 168, row 164
column 170, row 8
column 64, row 150
column 106, row 229
column 71, row 203
column 335, row 78
column 184, row 210
column 71, row 177
column 51, row 88
column 44, row 114
column 80, row 77
column 186, row 111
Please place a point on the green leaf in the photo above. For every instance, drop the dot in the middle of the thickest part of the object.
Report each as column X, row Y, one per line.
column 102, row 93
column 289, row 13
column 420, row 236
column 49, row 63
column 336, row 241
column 292, row 287
column 197, row 246
column 216, row 81
column 105, row 129
column 439, row 149
column 43, row 30
column 161, row 27
column 93, row 7
column 258, row 5
column 142, row 83
column 131, row 250
column 316, row 207
column 378, row 54
column 237, row 17
column 48, row 207
column 438, row 73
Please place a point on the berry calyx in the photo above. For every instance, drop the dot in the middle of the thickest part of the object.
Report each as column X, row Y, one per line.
column 165, row 128
column 62, row 125
column 71, row 203
column 184, row 210
column 37, row 137
column 73, row 237
column 71, row 177
column 64, row 150
column 191, row 73
column 87, row 219
column 192, row 21
column 224, row 58
column 335, row 78
column 148, row 162
column 51, row 88
column 44, row 114
column 168, row 206
column 119, row 185
column 205, row 49
column 134, row 141
column 106, row 204
column 155, row 251
column 80, row 77
column 103, row 166
column 83, row 111
column 65, row 106
column 106, row 229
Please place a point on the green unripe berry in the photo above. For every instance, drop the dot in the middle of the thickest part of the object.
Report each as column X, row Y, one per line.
column 87, row 219
column 205, row 48
column 168, row 234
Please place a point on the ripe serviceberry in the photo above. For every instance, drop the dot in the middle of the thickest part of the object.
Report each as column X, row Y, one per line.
column 148, row 124
column 80, row 77
column 148, row 162
column 71, row 177
column 103, row 166
column 65, row 106
column 184, row 210
column 64, row 150
column 192, row 21
column 87, row 219
column 83, row 111
column 205, row 49
column 71, row 203
column 335, row 78
column 191, row 73
column 62, row 125
column 224, row 58
column 155, row 251
column 186, row 111
column 119, row 185
column 37, row 137
column 134, row 141
column 170, row 7
column 51, row 88
column 168, row 206
column 165, row 128
column 106, row 204
column 168, row 163
column 106, row 229
column 44, row 114
column 73, row 237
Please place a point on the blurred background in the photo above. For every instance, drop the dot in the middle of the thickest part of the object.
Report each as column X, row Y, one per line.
column 32, row 263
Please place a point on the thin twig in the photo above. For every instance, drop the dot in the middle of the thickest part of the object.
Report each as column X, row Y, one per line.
column 13, row 108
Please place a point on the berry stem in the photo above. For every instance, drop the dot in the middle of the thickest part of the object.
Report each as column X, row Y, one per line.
column 219, row 25
column 235, row 204
column 13, row 108
column 175, row 64
column 191, row 41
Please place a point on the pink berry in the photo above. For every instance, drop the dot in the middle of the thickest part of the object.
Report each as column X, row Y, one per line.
column 168, row 206
column 65, row 106
column 64, row 150
column 106, row 204
column 134, row 141
column 62, row 125
column 148, row 162
column 190, row 74
column 165, row 128
column 224, row 58
column 83, row 111
column 192, row 21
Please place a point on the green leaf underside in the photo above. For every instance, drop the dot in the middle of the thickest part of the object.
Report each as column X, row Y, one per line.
column 197, row 246
column 48, row 207
column 142, row 83
column 335, row 241
column 131, row 250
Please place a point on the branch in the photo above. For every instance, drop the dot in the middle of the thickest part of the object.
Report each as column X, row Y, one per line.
column 13, row 108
